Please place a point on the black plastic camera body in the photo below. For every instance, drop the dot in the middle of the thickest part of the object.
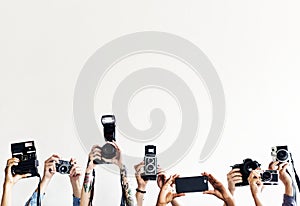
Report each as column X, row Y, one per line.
column 63, row 167
column 108, row 151
column 26, row 153
column 245, row 168
column 280, row 153
column 150, row 160
column 269, row 177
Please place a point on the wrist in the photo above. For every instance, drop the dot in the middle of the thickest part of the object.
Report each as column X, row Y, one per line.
column 8, row 185
column 140, row 191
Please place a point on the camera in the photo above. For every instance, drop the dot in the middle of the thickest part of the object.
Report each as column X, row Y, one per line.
column 26, row 153
column 108, row 151
column 269, row 177
column 280, row 153
column 150, row 160
column 63, row 167
column 245, row 168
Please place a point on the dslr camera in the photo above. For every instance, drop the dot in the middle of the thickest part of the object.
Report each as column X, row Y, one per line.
column 150, row 160
column 280, row 153
column 245, row 168
column 108, row 151
column 269, row 177
column 26, row 153
column 63, row 167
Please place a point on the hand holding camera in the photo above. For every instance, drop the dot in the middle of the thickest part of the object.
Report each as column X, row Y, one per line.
column 219, row 190
column 10, row 178
column 150, row 161
column 109, row 152
column 245, row 169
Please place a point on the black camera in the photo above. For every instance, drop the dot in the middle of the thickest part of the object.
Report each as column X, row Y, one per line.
column 26, row 153
column 245, row 168
column 280, row 153
column 108, row 151
column 63, row 167
column 269, row 177
column 150, row 160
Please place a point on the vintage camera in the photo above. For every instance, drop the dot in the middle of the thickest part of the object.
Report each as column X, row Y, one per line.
column 63, row 167
column 108, row 151
column 150, row 160
column 26, row 153
column 280, row 153
column 269, row 177
column 245, row 168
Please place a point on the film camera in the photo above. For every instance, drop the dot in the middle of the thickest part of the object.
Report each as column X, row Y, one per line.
column 63, row 167
column 280, row 153
column 269, row 177
column 245, row 168
column 108, row 151
column 26, row 153
column 150, row 160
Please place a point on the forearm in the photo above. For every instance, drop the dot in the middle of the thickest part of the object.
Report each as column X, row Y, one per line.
column 44, row 184
column 76, row 188
column 87, row 188
column 257, row 200
column 288, row 189
column 229, row 201
column 126, row 190
column 7, row 195
column 139, row 198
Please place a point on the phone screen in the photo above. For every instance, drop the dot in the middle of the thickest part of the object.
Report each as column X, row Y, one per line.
column 191, row 184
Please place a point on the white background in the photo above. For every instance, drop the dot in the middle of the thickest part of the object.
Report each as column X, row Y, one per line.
column 254, row 46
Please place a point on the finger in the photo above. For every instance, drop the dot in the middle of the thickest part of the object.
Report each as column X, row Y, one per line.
column 178, row 195
column 234, row 170
column 73, row 161
column 273, row 165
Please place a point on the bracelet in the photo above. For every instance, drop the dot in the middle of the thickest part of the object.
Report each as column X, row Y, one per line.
column 141, row 191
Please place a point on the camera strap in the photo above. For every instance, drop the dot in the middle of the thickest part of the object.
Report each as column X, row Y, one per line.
column 296, row 175
column 38, row 202
column 92, row 190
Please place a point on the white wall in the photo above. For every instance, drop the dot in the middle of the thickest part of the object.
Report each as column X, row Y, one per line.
column 254, row 47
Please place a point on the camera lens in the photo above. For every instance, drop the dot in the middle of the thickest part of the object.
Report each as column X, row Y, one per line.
column 282, row 155
column 63, row 169
column 266, row 176
column 108, row 151
column 249, row 165
column 150, row 168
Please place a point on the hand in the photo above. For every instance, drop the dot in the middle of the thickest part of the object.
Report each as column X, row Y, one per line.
column 95, row 153
column 283, row 176
column 219, row 190
column 117, row 160
column 76, row 171
column 161, row 179
column 75, row 174
column 256, row 185
column 166, row 193
column 234, row 177
column 49, row 166
column 140, row 181
column 11, row 179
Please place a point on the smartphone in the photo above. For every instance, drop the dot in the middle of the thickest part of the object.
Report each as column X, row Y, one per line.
column 191, row 184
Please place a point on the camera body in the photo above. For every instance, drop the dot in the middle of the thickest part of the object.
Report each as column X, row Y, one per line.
column 63, row 167
column 269, row 177
column 245, row 168
column 280, row 153
column 108, row 151
column 26, row 153
column 150, row 160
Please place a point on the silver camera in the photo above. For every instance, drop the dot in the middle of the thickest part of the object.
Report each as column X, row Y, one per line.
column 63, row 167
column 150, row 160
column 280, row 153
column 269, row 177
